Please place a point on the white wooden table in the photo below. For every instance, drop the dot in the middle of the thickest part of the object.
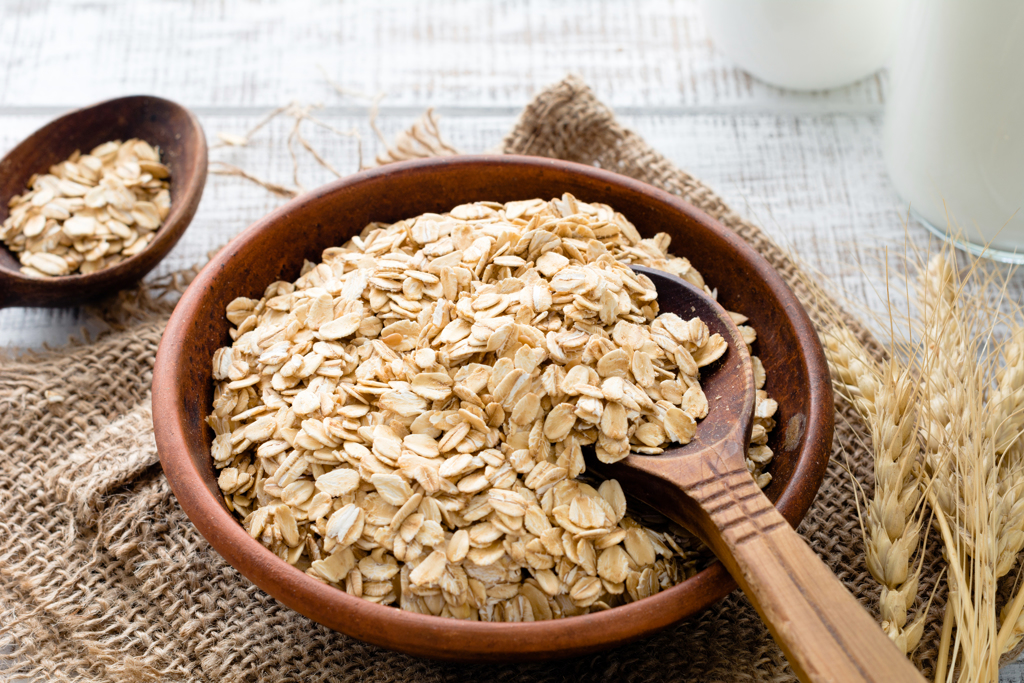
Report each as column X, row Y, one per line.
column 807, row 167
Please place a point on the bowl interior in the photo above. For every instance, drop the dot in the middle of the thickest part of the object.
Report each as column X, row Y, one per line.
column 160, row 122
column 276, row 247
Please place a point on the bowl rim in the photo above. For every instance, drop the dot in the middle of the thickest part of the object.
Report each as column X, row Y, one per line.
column 438, row 637
column 171, row 228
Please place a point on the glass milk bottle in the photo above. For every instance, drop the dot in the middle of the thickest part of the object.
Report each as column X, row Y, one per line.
column 954, row 122
column 805, row 44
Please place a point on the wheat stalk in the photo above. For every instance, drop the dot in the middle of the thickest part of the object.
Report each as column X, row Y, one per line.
column 946, row 425
column 971, row 427
column 885, row 396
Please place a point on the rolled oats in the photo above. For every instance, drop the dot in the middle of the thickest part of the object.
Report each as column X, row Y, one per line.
column 89, row 212
column 406, row 421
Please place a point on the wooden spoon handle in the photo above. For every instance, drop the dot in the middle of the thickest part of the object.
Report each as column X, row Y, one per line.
column 826, row 634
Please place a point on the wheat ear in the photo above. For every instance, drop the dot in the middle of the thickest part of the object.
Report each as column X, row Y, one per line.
column 1006, row 420
column 971, row 425
column 885, row 396
column 944, row 360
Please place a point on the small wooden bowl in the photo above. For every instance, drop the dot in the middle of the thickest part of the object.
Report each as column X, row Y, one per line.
column 161, row 123
column 274, row 249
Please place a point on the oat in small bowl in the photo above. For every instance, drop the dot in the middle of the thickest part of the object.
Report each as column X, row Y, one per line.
column 93, row 200
column 89, row 212
column 282, row 252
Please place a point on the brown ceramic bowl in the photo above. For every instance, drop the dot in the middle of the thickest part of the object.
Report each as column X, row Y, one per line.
column 274, row 248
column 161, row 123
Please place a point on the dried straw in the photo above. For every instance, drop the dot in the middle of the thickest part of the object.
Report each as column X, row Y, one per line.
column 223, row 168
column 422, row 140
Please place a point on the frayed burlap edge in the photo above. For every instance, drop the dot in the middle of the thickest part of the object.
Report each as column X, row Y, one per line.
column 103, row 578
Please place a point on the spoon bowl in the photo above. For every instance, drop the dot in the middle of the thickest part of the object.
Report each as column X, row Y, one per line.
column 704, row 485
column 161, row 123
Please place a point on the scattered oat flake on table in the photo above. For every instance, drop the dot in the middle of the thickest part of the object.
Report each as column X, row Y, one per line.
column 406, row 421
column 90, row 211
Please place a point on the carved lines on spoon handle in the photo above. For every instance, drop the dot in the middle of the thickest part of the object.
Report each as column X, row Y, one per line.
column 734, row 502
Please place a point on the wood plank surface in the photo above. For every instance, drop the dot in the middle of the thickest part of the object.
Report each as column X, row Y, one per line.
column 452, row 53
column 807, row 167
column 816, row 183
column 478, row 62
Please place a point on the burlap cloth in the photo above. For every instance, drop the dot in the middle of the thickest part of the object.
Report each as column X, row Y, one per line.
column 103, row 577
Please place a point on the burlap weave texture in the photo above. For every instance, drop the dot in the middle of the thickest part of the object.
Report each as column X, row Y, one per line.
column 103, row 578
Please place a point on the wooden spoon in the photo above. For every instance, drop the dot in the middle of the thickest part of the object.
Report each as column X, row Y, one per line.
column 161, row 123
column 704, row 486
